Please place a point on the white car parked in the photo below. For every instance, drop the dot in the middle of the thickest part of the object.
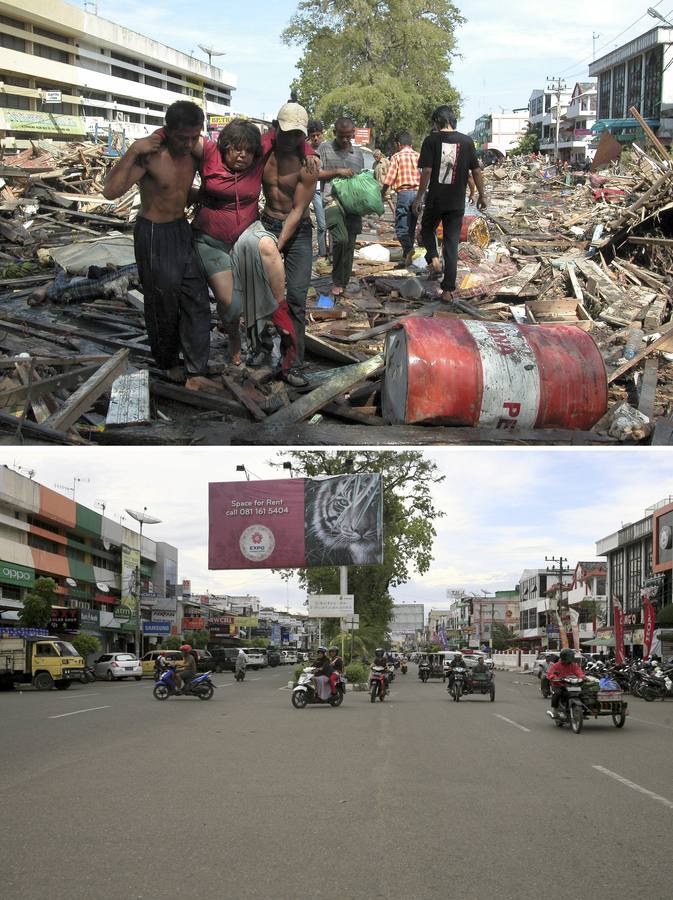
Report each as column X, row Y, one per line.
column 289, row 657
column 115, row 666
column 257, row 658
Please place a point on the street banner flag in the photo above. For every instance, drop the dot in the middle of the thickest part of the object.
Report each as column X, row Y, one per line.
column 296, row 522
column 649, row 621
column 575, row 624
column 619, row 631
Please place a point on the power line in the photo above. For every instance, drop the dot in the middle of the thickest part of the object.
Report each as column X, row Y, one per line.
column 581, row 62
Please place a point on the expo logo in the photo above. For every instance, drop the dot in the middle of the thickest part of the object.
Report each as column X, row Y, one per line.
column 257, row 542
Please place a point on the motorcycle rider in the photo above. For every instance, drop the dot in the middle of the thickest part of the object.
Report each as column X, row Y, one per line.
column 322, row 670
column 481, row 666
column 241, row 662
column 456, row 663
column 566, row 667
column 381, row 660
column 337, row 664
column 160, row 666
column 188, row 672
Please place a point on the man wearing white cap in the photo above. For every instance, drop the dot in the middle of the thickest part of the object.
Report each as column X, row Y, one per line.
column 267, row 286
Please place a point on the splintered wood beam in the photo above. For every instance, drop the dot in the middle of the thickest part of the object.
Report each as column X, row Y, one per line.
column 32, row 429
column 648, row 387
column 79, row 402
column 255, row 411
column 347, row 378
column 39, row 387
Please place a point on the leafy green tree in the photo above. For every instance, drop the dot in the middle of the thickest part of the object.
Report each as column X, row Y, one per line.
column 408, row 532
column 385, row 63
column 172, row 642
column 85, row 644
column 36, row 612
column 529, row 142
column 198, row 639
column 502, row 636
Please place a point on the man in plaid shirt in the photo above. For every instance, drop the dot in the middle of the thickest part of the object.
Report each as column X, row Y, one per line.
column 403, row 177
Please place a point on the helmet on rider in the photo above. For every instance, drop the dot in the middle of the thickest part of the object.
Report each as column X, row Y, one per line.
column 186, row 648
column 322, row 650
column 567, row 656
column 333, row 649
column 379, row 651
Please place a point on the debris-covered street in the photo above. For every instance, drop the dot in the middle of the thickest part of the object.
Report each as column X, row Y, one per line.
column 583, row 261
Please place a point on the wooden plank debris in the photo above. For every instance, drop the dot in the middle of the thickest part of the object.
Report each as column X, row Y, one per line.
column 130, row 399
column 89, row 392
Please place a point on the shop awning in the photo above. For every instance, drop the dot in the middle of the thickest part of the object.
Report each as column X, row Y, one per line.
column 620, row 124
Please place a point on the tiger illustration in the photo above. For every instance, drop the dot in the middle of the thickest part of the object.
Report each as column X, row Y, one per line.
column 341, row 520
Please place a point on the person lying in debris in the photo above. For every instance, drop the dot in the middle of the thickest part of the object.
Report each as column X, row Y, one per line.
column 177, row 308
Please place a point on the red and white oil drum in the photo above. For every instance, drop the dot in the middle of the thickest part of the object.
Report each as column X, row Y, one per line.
column 492, row 374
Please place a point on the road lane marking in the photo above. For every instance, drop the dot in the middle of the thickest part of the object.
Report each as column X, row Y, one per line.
column 75, row 697
column 78, row 711
column 647, row 722
column 634, row 786
column 515, row 724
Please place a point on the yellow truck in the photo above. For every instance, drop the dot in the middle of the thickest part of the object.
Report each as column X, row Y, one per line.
column 43, row 661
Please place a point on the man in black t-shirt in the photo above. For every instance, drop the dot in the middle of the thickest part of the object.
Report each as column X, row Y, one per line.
column 447, row 159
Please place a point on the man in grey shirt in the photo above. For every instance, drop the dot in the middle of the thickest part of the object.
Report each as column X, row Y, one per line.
column 340, row 159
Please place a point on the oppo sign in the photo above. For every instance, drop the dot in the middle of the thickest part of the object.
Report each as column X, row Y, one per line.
column 13, row 574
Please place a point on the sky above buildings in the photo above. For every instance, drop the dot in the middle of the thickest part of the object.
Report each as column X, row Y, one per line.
column 505, row 509
column 506, row 49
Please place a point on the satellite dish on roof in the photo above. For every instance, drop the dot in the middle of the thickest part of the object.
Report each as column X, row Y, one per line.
column 71, row 582
column 102, row 587
column 143, row 517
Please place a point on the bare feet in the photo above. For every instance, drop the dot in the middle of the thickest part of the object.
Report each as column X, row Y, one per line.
column 447, row 296
column 201, row 383
column 233, row 332
column 336, row 290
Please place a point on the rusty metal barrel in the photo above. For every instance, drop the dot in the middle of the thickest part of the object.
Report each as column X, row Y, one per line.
column 492, row 374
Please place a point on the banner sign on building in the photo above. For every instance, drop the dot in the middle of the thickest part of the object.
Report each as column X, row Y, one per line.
column 246, row 621
column 130, row 567
column 89, row 619
column 156, row 627
column 330, row 606
column 41, row 122
column 193, row 623
column 362, row 136
column 22, row 576
column 163, row 614
column 296, row 522
column 220, row 626
column 64, row 619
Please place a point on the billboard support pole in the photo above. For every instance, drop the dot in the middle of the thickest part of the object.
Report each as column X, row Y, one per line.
column 343, row 589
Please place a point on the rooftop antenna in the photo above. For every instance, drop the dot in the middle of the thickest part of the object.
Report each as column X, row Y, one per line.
column 210, row 52
column 23, row 470
column 66, row 487
column 91, row 5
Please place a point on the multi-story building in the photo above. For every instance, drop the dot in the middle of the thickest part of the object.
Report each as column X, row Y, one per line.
column 575, row 132
column 636, row 74
column 486, row 611
column 638, row 556
column 544, row 107
column 95, row 562
column 538, row 624
column 500, row 131
column 65, row 72
column 407, row 622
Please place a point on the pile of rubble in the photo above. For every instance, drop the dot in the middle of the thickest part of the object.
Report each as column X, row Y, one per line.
column 589, row 250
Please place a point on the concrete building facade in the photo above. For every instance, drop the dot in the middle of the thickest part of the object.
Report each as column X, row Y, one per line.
column 65, row 72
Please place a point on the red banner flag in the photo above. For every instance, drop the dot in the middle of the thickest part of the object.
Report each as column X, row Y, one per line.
column 649, row 621
column 619, row 631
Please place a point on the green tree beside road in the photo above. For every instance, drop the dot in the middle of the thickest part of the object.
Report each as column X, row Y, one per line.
column 386, row 64
column 36, row 612
column 86, row 644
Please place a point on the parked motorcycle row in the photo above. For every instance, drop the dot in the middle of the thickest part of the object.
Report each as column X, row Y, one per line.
column 641, row 679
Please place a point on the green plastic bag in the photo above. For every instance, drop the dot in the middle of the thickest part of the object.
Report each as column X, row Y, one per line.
column 359, row 195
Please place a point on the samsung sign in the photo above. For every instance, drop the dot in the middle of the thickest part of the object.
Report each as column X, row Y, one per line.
column 10, row 573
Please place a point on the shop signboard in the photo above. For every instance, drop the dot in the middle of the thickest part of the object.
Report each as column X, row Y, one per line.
column 22, row 576
column 275, row 634
column 362, row 136
column 156, row 627
column 123, row 613
column 296, row 522
column 89, row 619
column 193, row 623
column 64, row 619
column 330, row 606
column 221, row 626
column 163, row 614
column 246, row 621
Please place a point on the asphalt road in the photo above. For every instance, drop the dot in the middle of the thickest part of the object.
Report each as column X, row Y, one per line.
column 107, row 793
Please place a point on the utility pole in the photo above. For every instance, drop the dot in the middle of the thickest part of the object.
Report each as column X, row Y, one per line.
column 560, row 560
column 557, row 85
column 594, row 38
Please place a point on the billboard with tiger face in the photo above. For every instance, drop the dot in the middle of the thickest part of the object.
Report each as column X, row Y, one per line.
column 296, row 522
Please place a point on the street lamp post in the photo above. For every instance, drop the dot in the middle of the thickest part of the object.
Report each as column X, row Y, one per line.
column 144, row 519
